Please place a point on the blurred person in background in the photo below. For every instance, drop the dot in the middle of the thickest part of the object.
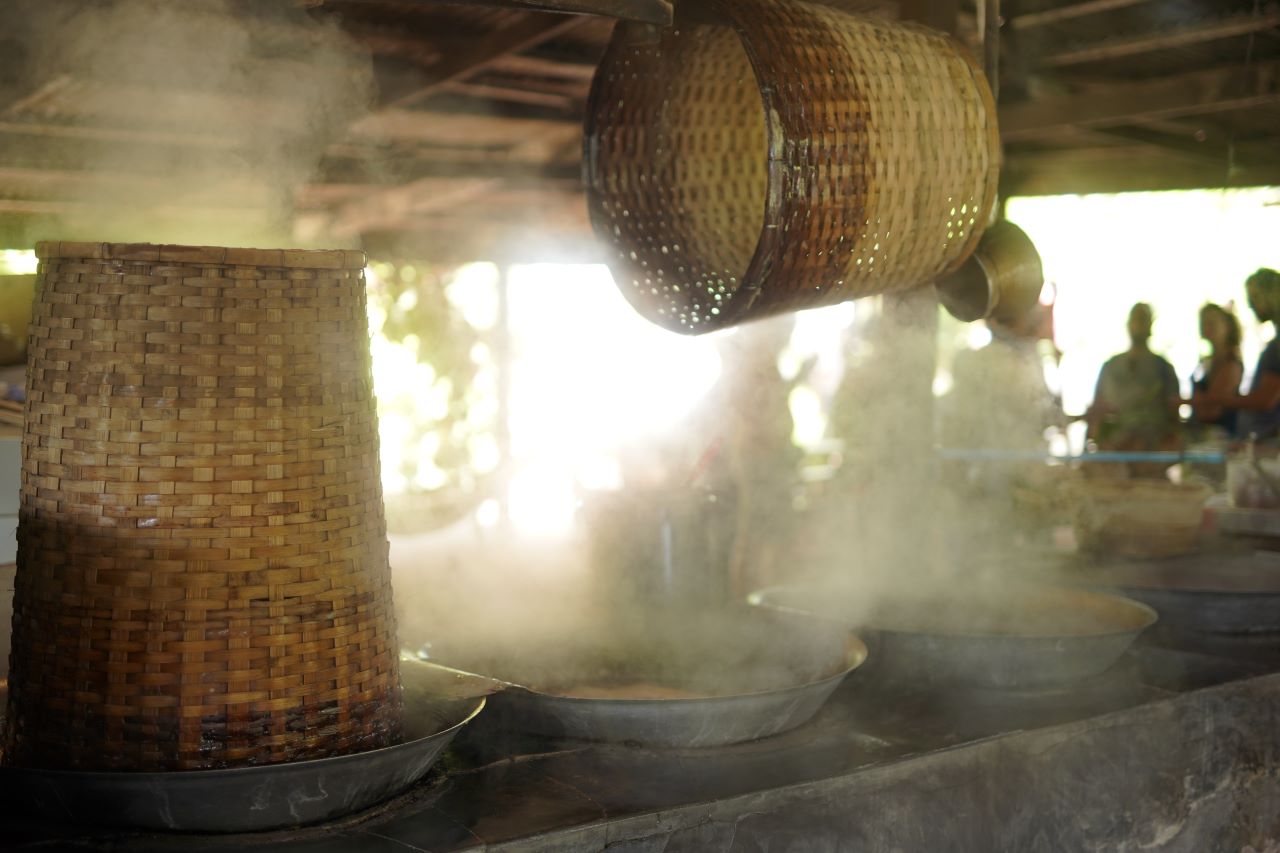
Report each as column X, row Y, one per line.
column 999, row 398
column 1218, row 376
column 1000, row 401
column 1135, row 405
column 1260, row 408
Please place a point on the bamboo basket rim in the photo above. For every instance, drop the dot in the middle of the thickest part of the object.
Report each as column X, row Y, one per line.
column 312, row 259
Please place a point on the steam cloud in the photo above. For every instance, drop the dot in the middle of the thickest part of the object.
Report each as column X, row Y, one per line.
column 214, row 116
column 203, row 116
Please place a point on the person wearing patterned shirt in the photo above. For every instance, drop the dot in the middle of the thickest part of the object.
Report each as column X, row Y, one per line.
column 1135, row 405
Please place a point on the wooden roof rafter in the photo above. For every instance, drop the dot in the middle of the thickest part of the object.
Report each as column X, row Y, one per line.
column 644, row 11
column 1204, row 31
column 1047, row 17
column 468, row 58
column 1188, row 94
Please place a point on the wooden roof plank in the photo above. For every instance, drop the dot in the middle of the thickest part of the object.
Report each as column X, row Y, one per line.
column 470, row 57
column 1222, row 28
column 1193, row 93
column 394, row 206
column 1066, row 13
column 514, row 94
column 645, row 11
column 1213, row 152
column 1121, row 170
column 535, row 66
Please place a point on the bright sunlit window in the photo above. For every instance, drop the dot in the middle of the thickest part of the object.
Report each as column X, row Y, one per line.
column 18, row 262
column 589, row 375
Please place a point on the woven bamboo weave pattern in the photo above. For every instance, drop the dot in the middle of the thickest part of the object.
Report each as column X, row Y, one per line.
column 772, row 155
column 202, row 566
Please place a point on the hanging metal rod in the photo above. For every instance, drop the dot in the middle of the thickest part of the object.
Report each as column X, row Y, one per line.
column 990, row 21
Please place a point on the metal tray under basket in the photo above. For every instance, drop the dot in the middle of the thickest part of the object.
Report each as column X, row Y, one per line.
column 249, row 799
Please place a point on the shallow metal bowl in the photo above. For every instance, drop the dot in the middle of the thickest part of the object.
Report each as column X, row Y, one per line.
column 1234, row 593
column 910, row 651
column 763, row 673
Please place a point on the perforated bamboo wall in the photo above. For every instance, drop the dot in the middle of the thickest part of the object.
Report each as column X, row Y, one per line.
column 770, row 155
column 202, row 568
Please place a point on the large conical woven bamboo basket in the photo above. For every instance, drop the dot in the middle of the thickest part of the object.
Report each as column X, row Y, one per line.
column 202, row 567
column 773, row 155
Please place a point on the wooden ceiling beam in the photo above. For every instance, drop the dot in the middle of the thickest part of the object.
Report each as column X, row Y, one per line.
column 577, row 90
column 472, row 55
column 394, row 137
column 1116, row 170
column 460, row 242
column 123, row 135
column 378, row 172
column 513, row 94
column 1031, row 20
column 645, row 11
column 73, row 207
column 1213, row 30
column 522, row 139
column 534, row 66
column 393, row 206
column 1215, row 152
column 370, row 176
column 73, row 181
column 393, row 42
column 1194, row 93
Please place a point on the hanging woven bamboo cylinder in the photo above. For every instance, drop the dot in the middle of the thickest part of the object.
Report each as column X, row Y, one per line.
column 770, row 155
column 202, row 567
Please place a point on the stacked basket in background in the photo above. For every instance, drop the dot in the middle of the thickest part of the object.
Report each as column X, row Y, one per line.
column 202, row 568
column 1140, row 518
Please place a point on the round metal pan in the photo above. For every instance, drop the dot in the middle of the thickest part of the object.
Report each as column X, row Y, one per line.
column 249, row 799
column 1083, row 635
column 1233, row 593
column 763, row 674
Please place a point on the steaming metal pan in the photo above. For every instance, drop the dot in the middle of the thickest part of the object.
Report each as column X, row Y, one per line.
column 911, row 641
column 1202, row 593
column 769, row 673
column 250, row 799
